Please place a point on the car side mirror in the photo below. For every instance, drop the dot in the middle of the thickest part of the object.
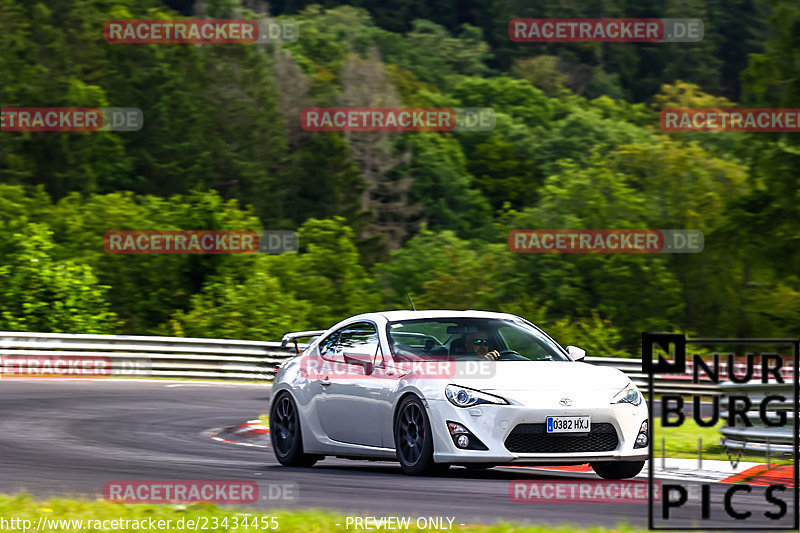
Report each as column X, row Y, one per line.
column 576, row 353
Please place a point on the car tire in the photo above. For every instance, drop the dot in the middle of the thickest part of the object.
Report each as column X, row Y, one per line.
column 618, row 470
column 287, row 440
column 414, row 440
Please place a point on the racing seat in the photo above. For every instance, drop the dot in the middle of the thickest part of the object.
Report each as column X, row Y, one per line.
column 438, row 350
column 457, row 346
column 402, row 352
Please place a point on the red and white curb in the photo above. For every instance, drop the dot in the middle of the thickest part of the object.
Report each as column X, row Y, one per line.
column 252, row 433
column 712, row 471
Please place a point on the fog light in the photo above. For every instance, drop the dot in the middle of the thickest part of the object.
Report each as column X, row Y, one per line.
column 463, row 438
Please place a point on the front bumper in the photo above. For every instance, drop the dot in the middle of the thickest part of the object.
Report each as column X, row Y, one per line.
column 492, row 424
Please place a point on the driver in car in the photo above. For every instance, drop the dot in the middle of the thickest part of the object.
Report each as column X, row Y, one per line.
column 478, row 343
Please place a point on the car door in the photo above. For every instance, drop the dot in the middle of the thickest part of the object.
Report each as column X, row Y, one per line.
column 348, row 406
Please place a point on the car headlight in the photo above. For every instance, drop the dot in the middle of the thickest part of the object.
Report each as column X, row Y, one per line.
column 463, row 397
column 630, row 394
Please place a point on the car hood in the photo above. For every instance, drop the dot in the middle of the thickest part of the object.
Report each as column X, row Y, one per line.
column 527, row 381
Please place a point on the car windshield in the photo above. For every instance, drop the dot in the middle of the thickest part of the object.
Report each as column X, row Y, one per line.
column 470, row 339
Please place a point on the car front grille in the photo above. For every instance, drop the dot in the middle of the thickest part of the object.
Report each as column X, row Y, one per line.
column 533, row 438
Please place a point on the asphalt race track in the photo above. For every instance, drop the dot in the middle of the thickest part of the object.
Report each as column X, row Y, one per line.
column 70, row 437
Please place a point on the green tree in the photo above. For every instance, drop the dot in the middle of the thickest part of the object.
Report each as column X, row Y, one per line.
column 326, row 272
column 543, row 73
column 40, row 293
column 573, row 285
column 146, row 289
column 256, row 309
column 442, row 271
column 581, row 133
column 443, row 185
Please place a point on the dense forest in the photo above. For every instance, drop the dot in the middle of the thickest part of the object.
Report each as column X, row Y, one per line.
column 577, row 144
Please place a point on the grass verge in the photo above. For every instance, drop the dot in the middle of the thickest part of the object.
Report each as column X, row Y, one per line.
column 681, row 442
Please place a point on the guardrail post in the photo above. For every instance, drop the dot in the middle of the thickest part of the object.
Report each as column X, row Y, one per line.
column 699, row 453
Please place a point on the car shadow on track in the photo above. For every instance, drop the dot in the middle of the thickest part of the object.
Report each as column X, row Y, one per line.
column 455, row 472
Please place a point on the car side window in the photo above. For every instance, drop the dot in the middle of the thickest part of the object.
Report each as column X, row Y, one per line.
column 328, row 345
column 360, row 338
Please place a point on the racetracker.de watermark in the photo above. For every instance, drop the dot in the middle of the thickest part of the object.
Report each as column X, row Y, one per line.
column 621, row 241
column 397, row 119
column 370, row 366
column 199, row 242
column 765, row 120
column 580, row 490
column 55, row 366
column 605, row 30
column 71, row 119
column 220, row 31
column 191, row 491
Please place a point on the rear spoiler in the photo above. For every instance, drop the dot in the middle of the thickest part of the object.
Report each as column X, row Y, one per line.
column 299, row 335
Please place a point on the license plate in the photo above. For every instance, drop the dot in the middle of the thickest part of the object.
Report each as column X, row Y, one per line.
column 568, row 424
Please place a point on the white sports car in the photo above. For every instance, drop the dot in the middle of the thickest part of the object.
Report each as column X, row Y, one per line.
column 432, row 389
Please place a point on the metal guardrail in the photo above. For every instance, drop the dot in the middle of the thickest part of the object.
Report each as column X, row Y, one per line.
column 168, row 357
column 760, row 438
column 178, row 357
column 662, row 384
